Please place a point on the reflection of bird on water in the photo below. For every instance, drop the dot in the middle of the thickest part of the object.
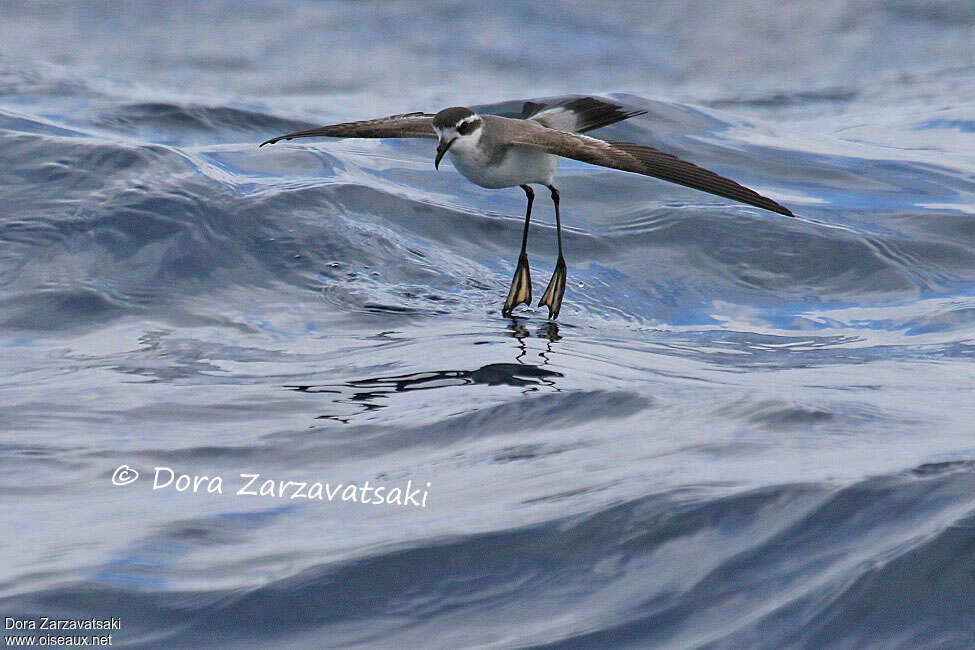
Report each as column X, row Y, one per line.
column 495, row 374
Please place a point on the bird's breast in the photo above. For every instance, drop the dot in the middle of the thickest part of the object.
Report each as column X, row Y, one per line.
column 507, row 167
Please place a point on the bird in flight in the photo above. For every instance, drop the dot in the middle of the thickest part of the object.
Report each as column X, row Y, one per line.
column 496, row 152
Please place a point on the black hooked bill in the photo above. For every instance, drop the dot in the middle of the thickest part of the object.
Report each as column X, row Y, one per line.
column 441, row 150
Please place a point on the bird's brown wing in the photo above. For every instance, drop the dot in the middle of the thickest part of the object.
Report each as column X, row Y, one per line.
column 408, row 125
column 641, row 159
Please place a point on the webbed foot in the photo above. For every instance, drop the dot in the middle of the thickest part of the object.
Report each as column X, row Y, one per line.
column 521, row 287
column 552, row 297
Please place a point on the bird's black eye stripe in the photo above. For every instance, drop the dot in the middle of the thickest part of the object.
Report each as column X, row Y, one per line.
column 467, row 127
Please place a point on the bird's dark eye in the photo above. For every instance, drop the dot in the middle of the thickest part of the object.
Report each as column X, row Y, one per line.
column 467, row 127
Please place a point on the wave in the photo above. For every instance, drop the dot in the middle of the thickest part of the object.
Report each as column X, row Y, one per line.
column 801, row 565
column 371, row 228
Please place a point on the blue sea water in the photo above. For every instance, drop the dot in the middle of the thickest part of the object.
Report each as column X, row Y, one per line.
column 745, row 431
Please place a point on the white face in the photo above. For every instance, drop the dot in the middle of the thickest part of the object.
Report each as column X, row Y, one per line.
column 466, row 133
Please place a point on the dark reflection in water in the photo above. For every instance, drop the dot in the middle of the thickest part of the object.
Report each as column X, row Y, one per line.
column 519, row 332
column 366, row 392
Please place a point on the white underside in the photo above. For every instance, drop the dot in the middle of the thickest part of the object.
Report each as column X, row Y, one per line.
column 519, row 167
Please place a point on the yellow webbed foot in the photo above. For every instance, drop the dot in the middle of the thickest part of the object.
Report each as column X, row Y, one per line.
column 521, row 287
column 552, row 297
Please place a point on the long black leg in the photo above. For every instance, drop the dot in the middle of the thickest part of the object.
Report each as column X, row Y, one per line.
column 552, row 297
column 558, row 219
column 521, row 283
column 530, row 193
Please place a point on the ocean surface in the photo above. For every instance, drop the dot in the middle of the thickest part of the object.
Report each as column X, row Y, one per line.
column 744, row 431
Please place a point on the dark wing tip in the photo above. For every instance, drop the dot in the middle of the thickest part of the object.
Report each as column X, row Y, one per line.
column 274, row 140
column 671, row 168
column 772, row 206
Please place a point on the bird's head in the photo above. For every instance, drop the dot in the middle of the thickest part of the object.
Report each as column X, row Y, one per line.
column 456, row 125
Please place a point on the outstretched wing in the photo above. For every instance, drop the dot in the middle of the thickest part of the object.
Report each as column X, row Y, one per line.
column 640, row 159
column 577, row 114
column 408, row 125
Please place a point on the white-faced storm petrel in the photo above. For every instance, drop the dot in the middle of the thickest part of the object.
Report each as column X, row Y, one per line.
column 496, row 152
